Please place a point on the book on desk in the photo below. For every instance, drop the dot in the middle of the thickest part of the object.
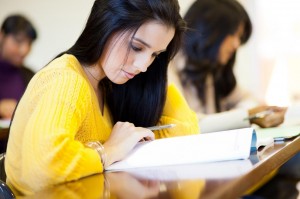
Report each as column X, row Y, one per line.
column 280, row 133
column 202, row 148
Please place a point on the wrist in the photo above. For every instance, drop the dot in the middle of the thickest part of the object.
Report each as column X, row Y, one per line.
column 109, row 151
column 99, row 148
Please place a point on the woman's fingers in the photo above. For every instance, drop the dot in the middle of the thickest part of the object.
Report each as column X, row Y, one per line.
column 123, row 138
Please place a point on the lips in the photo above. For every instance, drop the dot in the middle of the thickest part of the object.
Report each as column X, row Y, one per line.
column 128, row 75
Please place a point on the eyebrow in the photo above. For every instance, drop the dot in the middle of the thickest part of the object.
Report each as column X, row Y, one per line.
column 146, row 44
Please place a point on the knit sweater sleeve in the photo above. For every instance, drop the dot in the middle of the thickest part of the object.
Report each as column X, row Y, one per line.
column 51, row 154
column 177, row 111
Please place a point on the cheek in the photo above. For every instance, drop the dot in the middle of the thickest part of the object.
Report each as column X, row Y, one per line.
column 107, row 70
column 9, row 48
column 225, row 58
column 112, row 69
column 116, row 76
column 222, row 57
column 224, row 52
column 115, row 59
column 11, row 54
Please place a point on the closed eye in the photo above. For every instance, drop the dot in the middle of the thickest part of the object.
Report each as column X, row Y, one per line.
column 136, row 49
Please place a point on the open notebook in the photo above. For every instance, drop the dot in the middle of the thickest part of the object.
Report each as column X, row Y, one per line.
column 211, row 147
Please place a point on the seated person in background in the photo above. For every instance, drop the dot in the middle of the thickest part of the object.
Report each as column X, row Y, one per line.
column 204, row 67
column 88, row 107
column 16, row 37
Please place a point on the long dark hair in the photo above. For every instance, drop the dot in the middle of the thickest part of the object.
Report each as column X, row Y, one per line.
column 141, row 99
column 209, row 22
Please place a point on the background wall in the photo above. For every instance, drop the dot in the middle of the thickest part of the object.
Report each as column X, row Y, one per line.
column 267, row 65
column 58, row 23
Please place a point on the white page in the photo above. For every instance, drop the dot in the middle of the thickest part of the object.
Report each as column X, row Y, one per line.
column 218, row 146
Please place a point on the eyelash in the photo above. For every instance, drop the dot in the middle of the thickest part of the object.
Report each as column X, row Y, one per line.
column 137, row 49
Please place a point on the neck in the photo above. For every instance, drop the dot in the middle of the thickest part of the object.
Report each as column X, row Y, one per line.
column 94, row 80
column 94, row 75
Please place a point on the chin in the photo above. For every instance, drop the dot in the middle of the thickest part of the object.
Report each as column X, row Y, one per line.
column 17, row 65
column 120, row 82
column 17, row 62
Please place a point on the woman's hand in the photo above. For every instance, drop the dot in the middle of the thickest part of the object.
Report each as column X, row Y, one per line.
column 123, row 138
column 7, row 107
column 275, row 118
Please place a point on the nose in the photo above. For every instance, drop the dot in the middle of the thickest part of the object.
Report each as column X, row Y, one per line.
column 143, row 62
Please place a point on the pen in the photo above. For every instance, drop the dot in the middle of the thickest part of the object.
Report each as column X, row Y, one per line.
column 258, row 115
column 277, row 139
column 154, row 128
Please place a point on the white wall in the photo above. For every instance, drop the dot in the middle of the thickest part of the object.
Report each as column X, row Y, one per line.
column 58, row 24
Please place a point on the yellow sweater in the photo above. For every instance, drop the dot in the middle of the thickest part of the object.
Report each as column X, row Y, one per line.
column 57, row 114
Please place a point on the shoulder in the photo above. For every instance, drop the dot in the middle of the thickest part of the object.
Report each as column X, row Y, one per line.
column 66, row 67
column 63, row 72
column 174, row 98
column 173, row 90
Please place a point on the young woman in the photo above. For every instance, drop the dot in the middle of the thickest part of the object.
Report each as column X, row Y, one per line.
column 88, row 107
column 16, row 37
column 216, row 29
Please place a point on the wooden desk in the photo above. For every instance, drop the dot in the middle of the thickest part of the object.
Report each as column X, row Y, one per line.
column 186, row 182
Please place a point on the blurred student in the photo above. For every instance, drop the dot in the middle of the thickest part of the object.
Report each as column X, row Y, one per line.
column 16, row 37
column 205, row 67
column 89, row 107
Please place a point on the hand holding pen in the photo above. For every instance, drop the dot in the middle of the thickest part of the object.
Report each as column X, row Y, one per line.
column 155, row 128
column 266, row 116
